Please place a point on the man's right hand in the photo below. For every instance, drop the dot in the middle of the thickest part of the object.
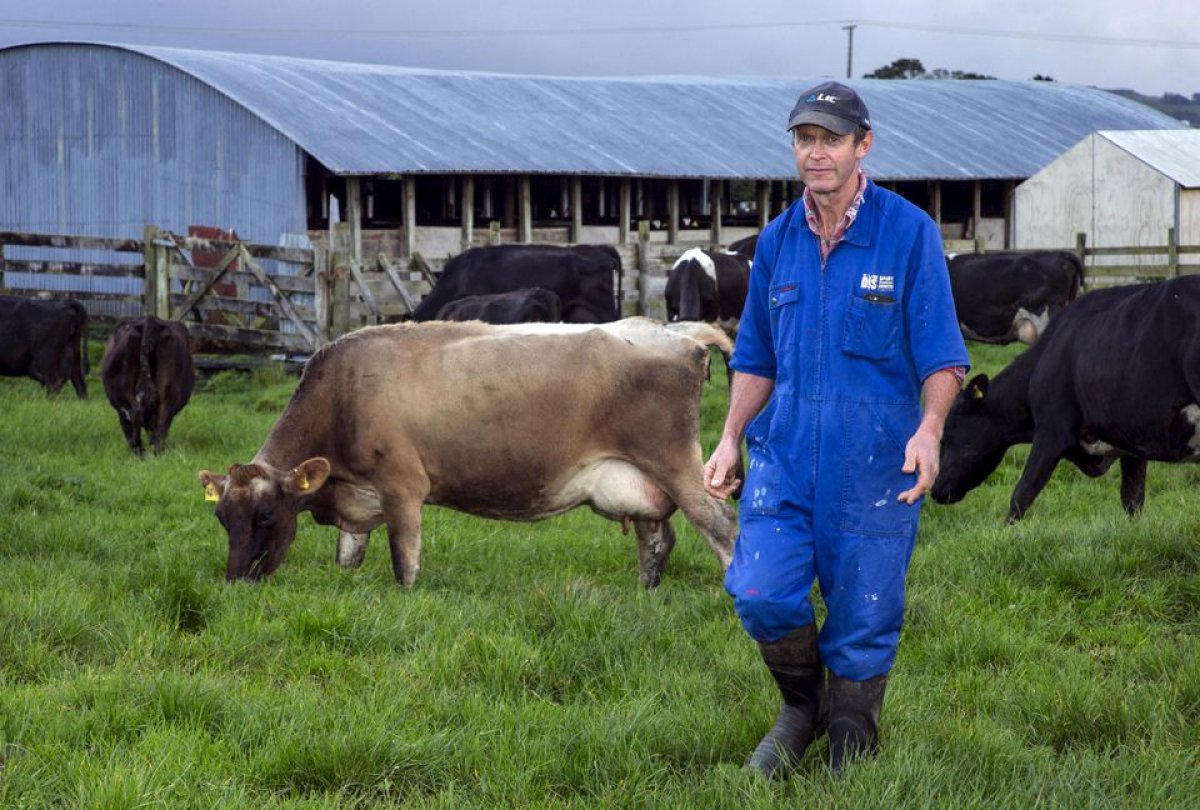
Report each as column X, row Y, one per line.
column 718, row 471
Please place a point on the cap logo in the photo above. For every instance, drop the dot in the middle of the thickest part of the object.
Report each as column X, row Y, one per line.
column 815, row 97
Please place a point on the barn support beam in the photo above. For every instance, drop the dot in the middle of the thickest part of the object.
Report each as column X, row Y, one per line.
column 762, row 196
column 715, row 203
column 354, row 216
column 408, row 205
column 468, row 210
column 524, row 210
column 977, row 209
column 935, row 201
column 672, row 211
column 625, row 212
column 576, row 205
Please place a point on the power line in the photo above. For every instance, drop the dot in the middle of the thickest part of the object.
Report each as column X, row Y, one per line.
column 605, row 31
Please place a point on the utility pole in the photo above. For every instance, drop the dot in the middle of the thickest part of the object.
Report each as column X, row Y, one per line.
column 849, row 29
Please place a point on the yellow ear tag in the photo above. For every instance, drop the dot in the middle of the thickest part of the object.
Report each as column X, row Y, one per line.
column 303, row 482
column 210, row 492
column 976, row 393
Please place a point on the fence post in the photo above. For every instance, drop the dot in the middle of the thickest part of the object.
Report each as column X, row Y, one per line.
column 149, row 270
column 643, row 266
column 321, row 279
column 162, row 280
column 494, row 232
column 981, row 244
column 1081, row 247
column 1172, row 254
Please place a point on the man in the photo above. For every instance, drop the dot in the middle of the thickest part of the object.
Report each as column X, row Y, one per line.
column 848, row 322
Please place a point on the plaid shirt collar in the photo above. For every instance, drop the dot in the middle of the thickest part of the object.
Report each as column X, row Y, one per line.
column 814, row 222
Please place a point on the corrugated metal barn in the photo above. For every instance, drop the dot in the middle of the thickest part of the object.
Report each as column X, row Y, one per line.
column 101, row 139
column 1122, row 189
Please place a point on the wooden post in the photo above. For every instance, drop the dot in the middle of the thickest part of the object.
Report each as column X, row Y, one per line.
column 715, row 201
column 576, row 209
column 1172, row 254
column 977, row 210
column 624, row 211
column 339, row 286
column 321, row 296
column 1081, row 247
column 524, row 210
column 672, row 211
column 494, row 232
column 468, row 211
column 354, row 216
column 643, row 266
column 408, row 244
column 935, row 201
column 762, row 193
column 149, row 263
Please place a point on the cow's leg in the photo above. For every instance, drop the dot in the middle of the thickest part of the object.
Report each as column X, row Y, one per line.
column 133, row 432
column 351, row 549
column 403, row 517
column 655, row 539
column 1133, row 484
column 1043, row 458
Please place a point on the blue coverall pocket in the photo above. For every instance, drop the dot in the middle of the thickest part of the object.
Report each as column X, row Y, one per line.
column 872, row 328
column 871, row 476
column 764, row 473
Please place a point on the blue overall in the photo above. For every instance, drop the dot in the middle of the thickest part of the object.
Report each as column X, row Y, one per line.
column 848, row 347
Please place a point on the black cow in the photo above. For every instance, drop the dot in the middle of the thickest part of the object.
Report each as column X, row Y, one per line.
column 1006, row 296
column 745, row 246
column 148, row 377
column 45, row 340
column 1117, row 375
column 707, row 285
column 535, row 304
column 581, row 276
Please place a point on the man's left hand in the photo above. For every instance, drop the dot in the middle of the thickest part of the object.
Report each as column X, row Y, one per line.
column 920, row 456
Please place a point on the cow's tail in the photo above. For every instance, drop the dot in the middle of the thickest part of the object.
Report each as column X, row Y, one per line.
column 147, row 394
column 1080, row 279
column 708, row 335
column 81, row 319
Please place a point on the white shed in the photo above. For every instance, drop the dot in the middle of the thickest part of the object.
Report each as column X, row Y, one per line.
column 1121, row 188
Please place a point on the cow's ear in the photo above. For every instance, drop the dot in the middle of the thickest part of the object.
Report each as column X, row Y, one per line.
column 977, row 388
column 213, row 484
column 306, row 477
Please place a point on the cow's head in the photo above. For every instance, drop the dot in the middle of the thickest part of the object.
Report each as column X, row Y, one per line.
column 973, row 443
column 258, row 504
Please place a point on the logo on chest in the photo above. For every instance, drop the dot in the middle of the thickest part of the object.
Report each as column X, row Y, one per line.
column 877, row 283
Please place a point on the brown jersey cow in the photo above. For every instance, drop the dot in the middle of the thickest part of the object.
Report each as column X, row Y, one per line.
column 507, row 422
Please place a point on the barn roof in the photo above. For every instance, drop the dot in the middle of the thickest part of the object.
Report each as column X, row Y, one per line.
column 377, row 119
column 1173, row 153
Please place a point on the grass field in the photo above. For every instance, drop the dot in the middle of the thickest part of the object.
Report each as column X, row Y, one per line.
column 1055, row 663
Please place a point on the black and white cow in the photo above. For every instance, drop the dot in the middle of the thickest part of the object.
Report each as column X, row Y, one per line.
column 745, row 246
column 45, row 340
column 1005, row 296
column 1116, row 376
column 581, row 275
column 533, row 305
column 707, row 285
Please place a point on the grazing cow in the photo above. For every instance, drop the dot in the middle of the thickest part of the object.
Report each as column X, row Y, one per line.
column 745, row 246
column 148, row 377
column 1002, row 297
column 706, row 285
column 532, row 305
column 45, row 340
column 1117, row 375
column 476, row 418
column 581, row 275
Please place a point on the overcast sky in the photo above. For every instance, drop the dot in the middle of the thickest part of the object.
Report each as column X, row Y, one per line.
column 1152, row 47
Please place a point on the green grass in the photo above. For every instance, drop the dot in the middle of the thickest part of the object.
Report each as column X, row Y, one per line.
column 1052, row 663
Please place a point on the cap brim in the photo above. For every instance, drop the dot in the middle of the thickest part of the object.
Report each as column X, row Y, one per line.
column 839, row 126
